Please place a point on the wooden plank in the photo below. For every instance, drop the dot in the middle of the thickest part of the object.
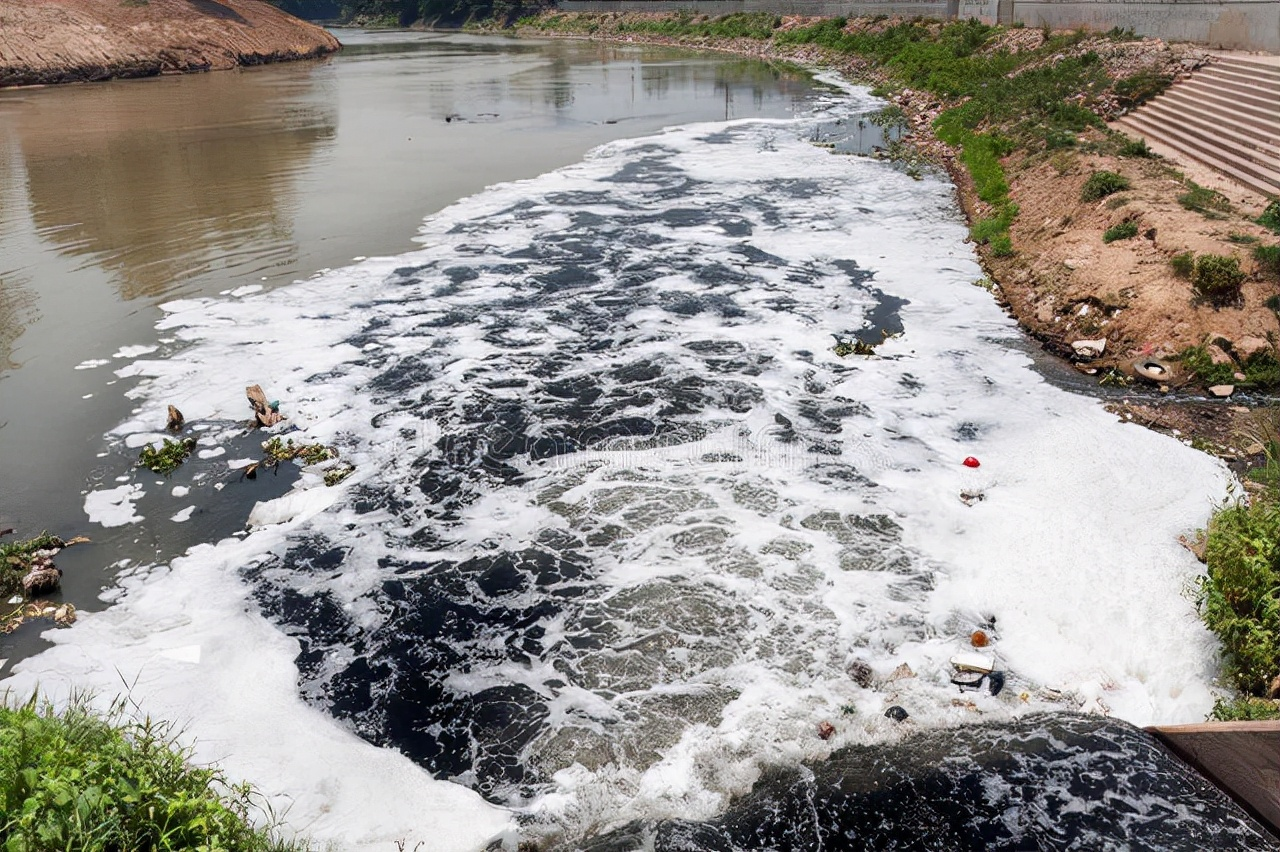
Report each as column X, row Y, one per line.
column 1241, row 758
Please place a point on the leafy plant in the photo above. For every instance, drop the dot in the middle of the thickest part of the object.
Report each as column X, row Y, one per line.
column 167, row 458
column 1217, row 279
column 1100, row 184
column 70, row 779
column 1122, row 231
column 1199, row 363
column 278, row 451
column 1238, row 592
column 1244, row 709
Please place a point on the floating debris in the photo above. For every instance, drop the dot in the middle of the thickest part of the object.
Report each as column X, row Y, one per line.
column 826, row 730
column 897, row 713
column 26, row 567
column 266, row 414
column 278, row 451
column 175, row 421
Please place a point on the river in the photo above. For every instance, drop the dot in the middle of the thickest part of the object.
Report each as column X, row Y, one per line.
column 625, row 540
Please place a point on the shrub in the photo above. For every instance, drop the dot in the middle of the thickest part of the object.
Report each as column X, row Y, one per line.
column 1206, row 202
column 1183, row 264
column 1268, row 260
column 75, row 780
column 984, row 230
column 1101, row 184
column 1134, row 91
column 1217, row 279
column 1270, row 217
column 1123, row 231
column 1238, row 599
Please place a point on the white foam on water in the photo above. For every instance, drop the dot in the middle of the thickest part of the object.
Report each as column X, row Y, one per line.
column 757, row 566
column 113, row 507
column 131, row 352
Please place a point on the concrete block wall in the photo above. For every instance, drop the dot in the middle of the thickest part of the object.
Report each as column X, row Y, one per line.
column 1229, row 24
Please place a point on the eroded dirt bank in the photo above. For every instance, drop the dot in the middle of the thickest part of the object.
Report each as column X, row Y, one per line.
column 61, row 41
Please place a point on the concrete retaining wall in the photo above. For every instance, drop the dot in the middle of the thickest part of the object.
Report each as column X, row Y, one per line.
column 1233, row 24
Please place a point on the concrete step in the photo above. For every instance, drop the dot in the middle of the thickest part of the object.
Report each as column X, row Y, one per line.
column 1260, row 70
column 1255, row 97
column 1247, row 82
column 1267, row 128
column 1217, row 128
column 1253, row 175
column 1226, row 100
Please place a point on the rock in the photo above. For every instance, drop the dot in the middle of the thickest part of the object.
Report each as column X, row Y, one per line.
column 995, row 682
column 826, row 729
column 902, row 672
column 1089, row 349
column 1273, row 691
column 44, row 577
column 1222, row 390
column 1217, row 355
column 897, row 714
column 1247, row 347
column 861, row 673
column 1238, row 376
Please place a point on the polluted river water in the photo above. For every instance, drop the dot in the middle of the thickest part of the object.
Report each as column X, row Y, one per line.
column 625, row 545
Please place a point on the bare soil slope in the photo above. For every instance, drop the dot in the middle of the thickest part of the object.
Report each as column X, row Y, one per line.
column 59, row 41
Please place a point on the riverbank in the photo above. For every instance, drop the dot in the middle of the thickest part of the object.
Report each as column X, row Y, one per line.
column 63, row 41
column 1017, row 117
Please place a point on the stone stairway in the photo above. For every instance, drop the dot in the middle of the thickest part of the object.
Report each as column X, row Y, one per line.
column 1226, row 116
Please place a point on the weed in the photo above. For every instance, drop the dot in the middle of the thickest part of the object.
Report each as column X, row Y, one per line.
column 168, row 457
column 1062, row 163
column 1268, row 260
column 1207, row 202
column 1183, row 264
column 984, row 230
column 1117, row 202
column 1199, row 363
column 1101, row 184
column 1122, row 231
column 1137, row 148
column 1113, row 378
column 1001, row 246
column 1270, row 217
column 337, row 473
column 1241, row 239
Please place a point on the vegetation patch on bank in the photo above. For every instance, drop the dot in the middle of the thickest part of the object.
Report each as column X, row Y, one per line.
column 71, row 779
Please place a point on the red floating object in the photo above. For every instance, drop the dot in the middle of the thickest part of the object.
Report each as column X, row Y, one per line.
column 972, row 462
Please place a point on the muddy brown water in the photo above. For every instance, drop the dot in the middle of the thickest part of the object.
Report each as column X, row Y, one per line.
column 118, row 197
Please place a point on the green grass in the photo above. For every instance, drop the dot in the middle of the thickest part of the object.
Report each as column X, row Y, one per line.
column 753, row 25
column 1183, row 264
column 1100, row 184
column 1268, row 260
column 1122, row 231
column 73, row 780
column 1198, row 363
column 1206, row 202
column 1270, row 217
